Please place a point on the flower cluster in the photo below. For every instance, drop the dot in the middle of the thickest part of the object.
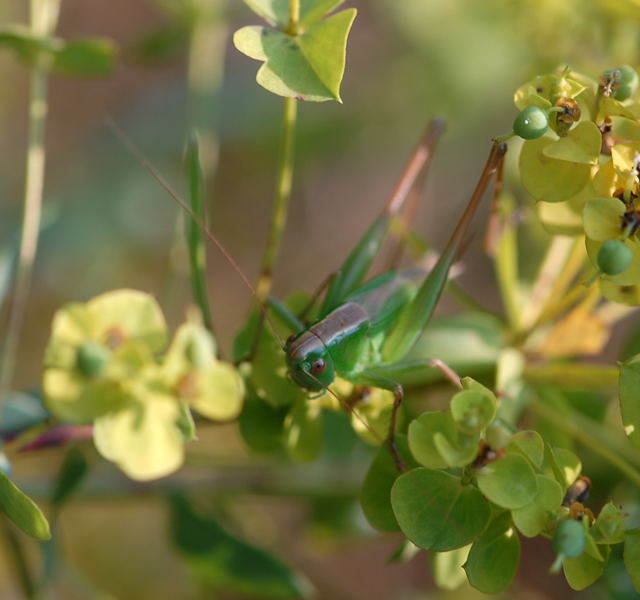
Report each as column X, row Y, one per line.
column 581, row 160
column 102, row 366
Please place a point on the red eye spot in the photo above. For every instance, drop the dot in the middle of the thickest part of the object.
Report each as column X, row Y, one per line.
column 318, row 367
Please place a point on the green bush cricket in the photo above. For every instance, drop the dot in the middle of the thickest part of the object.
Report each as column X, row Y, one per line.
column 364, row 330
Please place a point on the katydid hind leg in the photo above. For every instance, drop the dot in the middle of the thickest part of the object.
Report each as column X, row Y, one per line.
column 371, row 377
column 414, row 317
column 354, row 269
column 402, row 370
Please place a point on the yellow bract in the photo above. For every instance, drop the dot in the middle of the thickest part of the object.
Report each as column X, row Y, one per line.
column 101, row 366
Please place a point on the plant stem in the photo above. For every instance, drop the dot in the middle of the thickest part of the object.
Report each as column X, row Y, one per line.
column 197, row 254
column 548, row 280
column 44, row 15
column 294, row 17
column 19, row 560
column 591, row 435
column 281, row 202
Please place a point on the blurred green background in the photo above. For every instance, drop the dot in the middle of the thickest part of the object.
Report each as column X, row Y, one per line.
column 109, row 225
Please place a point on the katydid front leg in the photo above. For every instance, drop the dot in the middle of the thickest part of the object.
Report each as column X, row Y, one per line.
column 383, row 377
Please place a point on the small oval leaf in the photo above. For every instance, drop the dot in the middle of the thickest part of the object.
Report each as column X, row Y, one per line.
column 435, row 511
column 509, row 482
column 22, row 510
column 494, row 557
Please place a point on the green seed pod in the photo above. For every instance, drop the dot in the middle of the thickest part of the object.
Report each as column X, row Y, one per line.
column 531, row 123
column 92, row 358
column 626, row 81
column 614, row 257
column 569, row 539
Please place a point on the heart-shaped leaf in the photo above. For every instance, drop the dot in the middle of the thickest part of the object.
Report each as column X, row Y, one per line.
column 308, row 66
column 436, row 511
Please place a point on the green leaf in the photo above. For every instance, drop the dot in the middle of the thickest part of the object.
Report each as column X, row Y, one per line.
column 94, row 56
column 435, row 511
column 447, row 567
column 581, row 145
column 26, row 45
column 530, row 444
column 494, row 557
column 537, row 516
column 269, row 374
column 161, row 44
column 260, row 424
column 629, row 390
column 460, row 452
column 309, row 66
column 569, row 465
column 221, row 561
column 510, row 482
column 473, row 410
column 311, row 11
column 565, row 218
column 375, row 496
column 631, row 556
column 581, row 572
column 71, row 474
column 603, row 218
column 549, row 179
column 22, row 510
column 276, row 12
column 421, row 437
column 609, row 526
column 303, row 430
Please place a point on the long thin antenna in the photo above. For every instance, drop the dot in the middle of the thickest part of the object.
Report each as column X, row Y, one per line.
column 130, row 145
column 348, row 408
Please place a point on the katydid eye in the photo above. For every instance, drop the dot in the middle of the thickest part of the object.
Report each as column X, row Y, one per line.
column 318, row 367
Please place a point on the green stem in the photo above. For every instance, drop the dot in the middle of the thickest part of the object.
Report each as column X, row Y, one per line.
column 281, row 202
column 592, row 435
column 43, row 20
column 560, row 256
column 19, row 560
column 294, row 17
column 197, row 254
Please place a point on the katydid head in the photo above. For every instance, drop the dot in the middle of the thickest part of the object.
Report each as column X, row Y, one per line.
column 309, row 362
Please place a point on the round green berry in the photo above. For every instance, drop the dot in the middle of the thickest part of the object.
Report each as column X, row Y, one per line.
column 92, row 358
column 569, row 539
column 614, row 257
column 531, row 123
